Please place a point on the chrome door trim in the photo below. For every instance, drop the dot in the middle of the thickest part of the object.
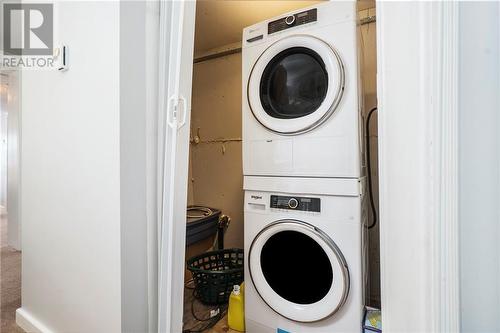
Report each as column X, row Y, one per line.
column 336, row 100
column 331, row 244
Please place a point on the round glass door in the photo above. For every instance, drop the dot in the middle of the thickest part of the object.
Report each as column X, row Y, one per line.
column 298, row 271
column 285, row 267
column 296, row 84
column 293, row 84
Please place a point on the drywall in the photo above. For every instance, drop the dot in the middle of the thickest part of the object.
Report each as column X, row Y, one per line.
column 71, row 278
column 479, row 165
column 216, row 168
column 3, row 150
column 369, row 74
column 13, row 162
column 151, row 85
column 85, row 155
column 135, row 104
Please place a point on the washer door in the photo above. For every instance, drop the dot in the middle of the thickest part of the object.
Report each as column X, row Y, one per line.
column 298, row 271
column 296, row 84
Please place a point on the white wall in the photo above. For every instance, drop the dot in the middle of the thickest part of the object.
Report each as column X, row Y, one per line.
column 71, row 178
column 479, row 166
column 84, row 164
column 3, row 146
column 13, row 163
column 151, row 86
column 138, row 113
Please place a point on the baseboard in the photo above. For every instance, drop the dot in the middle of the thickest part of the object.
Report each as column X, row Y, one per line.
column 30, row 324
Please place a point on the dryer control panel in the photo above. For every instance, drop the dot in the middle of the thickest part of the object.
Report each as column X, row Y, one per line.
column 293, row 20
column 296, row 203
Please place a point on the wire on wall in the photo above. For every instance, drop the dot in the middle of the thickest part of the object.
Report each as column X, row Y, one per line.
column 369, row 167
column 196, row 140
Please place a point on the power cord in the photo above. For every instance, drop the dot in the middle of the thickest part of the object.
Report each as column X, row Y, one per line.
column 208, row 322
column 369, row 167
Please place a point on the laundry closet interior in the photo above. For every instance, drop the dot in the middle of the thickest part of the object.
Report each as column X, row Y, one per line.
column 216, row 218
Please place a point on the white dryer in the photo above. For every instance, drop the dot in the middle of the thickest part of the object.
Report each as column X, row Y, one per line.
column 301, row 107
column 304, row 255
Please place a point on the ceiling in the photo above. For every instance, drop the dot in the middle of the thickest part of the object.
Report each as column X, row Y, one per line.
column 220, row 22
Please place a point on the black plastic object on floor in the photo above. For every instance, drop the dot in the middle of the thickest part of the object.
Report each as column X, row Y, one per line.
column 202, row 222
column 215, row 273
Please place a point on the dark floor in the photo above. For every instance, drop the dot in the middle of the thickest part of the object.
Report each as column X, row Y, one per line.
column 10, row 282
column 201, row 311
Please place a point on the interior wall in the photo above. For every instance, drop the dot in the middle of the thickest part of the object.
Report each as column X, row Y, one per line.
column 479, row 165
column 13, row 160
column 151, row 38
column 136, row 106
column 3, row 146
column 86, row 149
column 71, row 277
column 369, row 73
column 216, row 178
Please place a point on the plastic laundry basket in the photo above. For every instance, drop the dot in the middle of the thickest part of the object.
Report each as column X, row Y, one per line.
column 215, row 273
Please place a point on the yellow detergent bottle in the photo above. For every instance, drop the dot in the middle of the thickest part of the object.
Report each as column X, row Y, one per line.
column 236, row 312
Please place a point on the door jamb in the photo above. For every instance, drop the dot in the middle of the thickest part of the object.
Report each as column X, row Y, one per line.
column 417, row 65
column 177, row 23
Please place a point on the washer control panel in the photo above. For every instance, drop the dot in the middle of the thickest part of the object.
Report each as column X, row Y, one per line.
column 293, row 20
column 296, row 203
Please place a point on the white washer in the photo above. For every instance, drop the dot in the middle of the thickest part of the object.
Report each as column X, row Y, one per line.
column 304, row 255
column 301, row 107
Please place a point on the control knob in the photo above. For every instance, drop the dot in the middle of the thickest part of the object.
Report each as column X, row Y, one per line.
column 289, row 20
column 293, row 203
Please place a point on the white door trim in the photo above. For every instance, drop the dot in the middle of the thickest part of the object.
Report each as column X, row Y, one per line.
column 446, row 232
column 417, row 96
column 175, row 82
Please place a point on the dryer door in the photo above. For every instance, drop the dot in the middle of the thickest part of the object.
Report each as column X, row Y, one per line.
column 296, row 84
column 298, row 271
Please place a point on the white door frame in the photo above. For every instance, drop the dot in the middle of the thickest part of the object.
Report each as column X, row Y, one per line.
column 417, row 93
column 175, row 82
column 417, row 50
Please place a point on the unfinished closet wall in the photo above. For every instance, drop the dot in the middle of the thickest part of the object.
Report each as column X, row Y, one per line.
column 369, row 49
column 215, row 171
column 216, row 178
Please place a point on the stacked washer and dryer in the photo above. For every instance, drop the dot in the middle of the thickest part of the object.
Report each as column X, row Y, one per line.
column 303, row 172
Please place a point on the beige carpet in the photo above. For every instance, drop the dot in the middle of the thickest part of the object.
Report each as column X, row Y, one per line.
column 10, row 281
